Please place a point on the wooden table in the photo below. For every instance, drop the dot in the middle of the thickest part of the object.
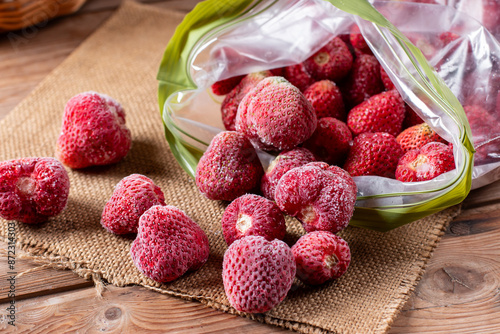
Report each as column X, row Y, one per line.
column 459, row 293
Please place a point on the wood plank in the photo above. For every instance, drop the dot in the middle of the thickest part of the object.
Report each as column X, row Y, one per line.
column 125, row 310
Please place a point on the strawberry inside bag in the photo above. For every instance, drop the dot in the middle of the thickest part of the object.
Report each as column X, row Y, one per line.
column 442, row 62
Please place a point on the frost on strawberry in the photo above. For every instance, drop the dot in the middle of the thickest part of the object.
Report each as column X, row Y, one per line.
column 298, row 76
column 326, row 99
column 333, row 61
column 132, row 196
column 373, row 154
column 320, row 257
column 283, row 162
column 32, row 189
column 425, row 163
column 229, row 168
column 257, row 273
column 252, row 215
column 320, row 196
column 93, row 132
column 168, row 244
column 417, row 136
column 383, row 112
column 275, row 115
column 331, row 141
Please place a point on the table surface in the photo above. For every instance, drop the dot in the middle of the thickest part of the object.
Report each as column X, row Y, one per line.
column 459, row 292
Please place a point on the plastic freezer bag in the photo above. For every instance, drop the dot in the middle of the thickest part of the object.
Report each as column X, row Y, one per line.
column 221, row 39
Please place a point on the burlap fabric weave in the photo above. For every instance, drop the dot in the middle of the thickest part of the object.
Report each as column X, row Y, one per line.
column 121, row 59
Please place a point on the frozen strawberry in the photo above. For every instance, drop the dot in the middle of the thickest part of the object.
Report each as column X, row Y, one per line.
column 229, row 167
column 447, row 37
column 252, row 215
column 132, row 196
column 257, row 274
column 426, row 163
column 32, row 189
column 285, row 161
column 326, row 99
column 275, row 115
column 383, row 112
column 484, row 134
column 333, row 61
column 93, row 132
column 278, row 72
column 321, row 256
column 417, row 136
column 168, row 244
column 363, row 80
column 373, row 154
column 386, row 81
column 231, row 101
column 298, row 76
column 331, row 141
column 224, row 86
column 358, row 41
column 411, row 118
column 320, row 196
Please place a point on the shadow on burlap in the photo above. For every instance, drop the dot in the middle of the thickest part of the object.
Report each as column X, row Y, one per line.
column 121, row 59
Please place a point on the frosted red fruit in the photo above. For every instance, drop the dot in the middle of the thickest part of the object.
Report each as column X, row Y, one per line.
column 411, row 118
column 386, row 81
column 231, row 101
column 484, row 133
column 363, row 81
column 298, row 76
column 229, row 167
column 224, row 86
column 275, row 115
column 320, row 196
column 383, row 112
column 32, row 189
column 426, row 163
column 373, row 154
column 447, row 37
column 168, row 244
column 132, row 196
column 358, row 41
column 257, row 273
column 321, row 256
column 326, row 99
column 93, row 132
column 285, row 161
column 417, row 136
column 333, row 61
column 331, row 141
column 252, row 215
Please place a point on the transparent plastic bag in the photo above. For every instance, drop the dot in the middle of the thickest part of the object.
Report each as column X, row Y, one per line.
column 249, row 36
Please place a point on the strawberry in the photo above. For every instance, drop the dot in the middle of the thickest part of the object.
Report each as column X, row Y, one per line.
column 373, row 154
column 386, row 81
column 425, row 163
column 331, row 141
column 298, row 76
column 484, row 135
column 326, row 99
column 223, row 87
column 411, row 118
column 229, row 106
column 363, row 80
column 417, row 136
column 383, row 112
column 358, row 41
column 333, row 61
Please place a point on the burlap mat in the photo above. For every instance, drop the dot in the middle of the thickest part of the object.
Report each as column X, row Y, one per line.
column 121, row 59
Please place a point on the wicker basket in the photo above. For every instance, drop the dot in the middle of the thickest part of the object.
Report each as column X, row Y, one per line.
column 17, row 14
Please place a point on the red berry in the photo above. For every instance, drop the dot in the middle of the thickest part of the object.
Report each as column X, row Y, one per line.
column 358, row 41
column 321, row 256
column 373, row 154
column 229, row 167
column 285, row 161
column 425, row 163
column 331, row 141
column 322, row 197
column 32, row 189
column 168, row 244
column 383, row 112
column 132, row 196
column 333, row 61
column 223, row 87
column 257, row 273
column 386, row 81
column 411, row 118
column 417, row 136
column 298, row 76
column 326, row 99
column 252, row 215
column 93, row 132
column 229, row 106
column 275, row 115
